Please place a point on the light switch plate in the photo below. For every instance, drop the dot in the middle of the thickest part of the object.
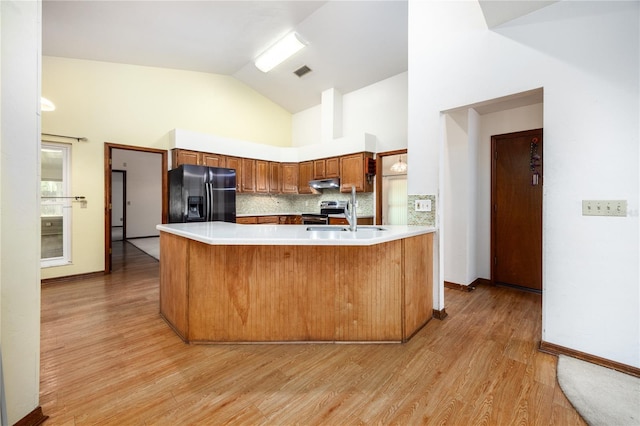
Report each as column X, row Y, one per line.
column 423, row 205
column 604, row 207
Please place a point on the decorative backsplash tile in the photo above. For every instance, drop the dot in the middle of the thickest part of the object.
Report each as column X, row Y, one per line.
column 248, row 204
column 421, row 218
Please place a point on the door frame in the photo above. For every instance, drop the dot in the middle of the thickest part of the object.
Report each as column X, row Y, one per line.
column 494, row 138
column 108, row 154
column 124, row 201
column 379, row 157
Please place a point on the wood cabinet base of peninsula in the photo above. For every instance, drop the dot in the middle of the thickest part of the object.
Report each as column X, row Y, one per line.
column 271, row 293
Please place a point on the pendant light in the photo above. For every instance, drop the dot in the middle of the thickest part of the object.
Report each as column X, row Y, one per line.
column 399, row 166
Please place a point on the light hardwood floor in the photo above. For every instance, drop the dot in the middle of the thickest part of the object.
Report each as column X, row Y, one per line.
column 108, row 358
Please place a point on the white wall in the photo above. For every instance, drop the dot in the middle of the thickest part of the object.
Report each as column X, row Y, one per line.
column 19, row 205
column 591, row 121
column 379, row 109
column 144, row 190
column 140, row 106
column 455, row 198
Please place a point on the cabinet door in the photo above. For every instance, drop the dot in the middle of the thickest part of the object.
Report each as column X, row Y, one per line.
column 262, row 176
column 236, row 163
column 305, row 174
column 352, row 172
column 319, row 169
column 291, row 220
column 212, row 160
column 275, row 178
column 248, row 175
column 332, row 167
column 268, row 219
column 183, row 156
column 247, row 220
column 338, row 221
column 290, row 178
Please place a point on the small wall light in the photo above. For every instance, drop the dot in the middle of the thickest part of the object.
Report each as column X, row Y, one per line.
column 279, row 52
column 46, row 105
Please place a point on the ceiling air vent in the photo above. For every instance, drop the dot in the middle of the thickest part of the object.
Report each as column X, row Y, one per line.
column 302, row 71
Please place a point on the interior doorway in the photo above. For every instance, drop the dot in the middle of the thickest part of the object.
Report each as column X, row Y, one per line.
column 516, row 216
column 391, row 187
column 118, row 200
column 160, row 175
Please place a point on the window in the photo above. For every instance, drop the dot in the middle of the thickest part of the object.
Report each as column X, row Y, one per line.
column 55, row 202
column 395, row 200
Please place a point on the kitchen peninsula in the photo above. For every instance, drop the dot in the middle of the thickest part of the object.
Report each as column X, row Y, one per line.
column 231, row 283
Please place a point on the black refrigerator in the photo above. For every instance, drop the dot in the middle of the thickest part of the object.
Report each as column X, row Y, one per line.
column 202, row 194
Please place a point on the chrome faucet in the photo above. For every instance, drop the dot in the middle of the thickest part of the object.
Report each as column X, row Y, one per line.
column 350, row 211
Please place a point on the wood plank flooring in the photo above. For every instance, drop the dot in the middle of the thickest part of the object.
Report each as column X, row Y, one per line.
column 109, row 359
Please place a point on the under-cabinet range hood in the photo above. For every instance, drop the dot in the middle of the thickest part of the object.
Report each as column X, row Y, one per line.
column 333, row 183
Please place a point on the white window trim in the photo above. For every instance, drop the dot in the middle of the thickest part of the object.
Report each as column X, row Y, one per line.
column 65, row 259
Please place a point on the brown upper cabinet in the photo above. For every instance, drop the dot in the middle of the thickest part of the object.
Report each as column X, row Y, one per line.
column 213, row 160
column 305, row 174
column 262, row 176
column 319, row 169
column 275, row 178
column 248, row 175
column 183, row 156
column 290, row 178
column 326, row 168
column 236, row 163
column 287, row 178
column 354, row 171
column 332, row 167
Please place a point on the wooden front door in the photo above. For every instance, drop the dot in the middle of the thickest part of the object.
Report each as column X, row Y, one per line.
column 516, row 218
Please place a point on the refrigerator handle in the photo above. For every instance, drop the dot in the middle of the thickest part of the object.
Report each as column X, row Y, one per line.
column 211, row 202
column 208, row 196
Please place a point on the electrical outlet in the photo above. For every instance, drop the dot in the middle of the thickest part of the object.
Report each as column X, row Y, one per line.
column 604, row 207
column 423, row 205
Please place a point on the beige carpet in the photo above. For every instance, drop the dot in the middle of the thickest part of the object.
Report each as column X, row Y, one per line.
column 601, row 395
column 149, row 245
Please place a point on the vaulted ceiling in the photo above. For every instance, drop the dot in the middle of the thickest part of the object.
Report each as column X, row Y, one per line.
column 351, row 44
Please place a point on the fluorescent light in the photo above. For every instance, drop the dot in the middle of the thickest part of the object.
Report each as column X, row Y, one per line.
column 46, row 105
column 279, row 52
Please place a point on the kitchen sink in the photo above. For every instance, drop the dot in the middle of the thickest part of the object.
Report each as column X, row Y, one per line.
column 340, row 228
column 370, row 228
column 326, row 228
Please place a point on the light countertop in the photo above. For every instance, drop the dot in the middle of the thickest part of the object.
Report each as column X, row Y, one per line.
column 223, row 233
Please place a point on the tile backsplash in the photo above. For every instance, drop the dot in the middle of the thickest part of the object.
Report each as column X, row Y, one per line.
column 421, row 218
column 247, row 204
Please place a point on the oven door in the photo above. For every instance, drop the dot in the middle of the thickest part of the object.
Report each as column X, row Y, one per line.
column 315, row 219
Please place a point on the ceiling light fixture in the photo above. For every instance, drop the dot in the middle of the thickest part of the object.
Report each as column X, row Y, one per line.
column 46, row 105
column 399, row 166
column 279, row 52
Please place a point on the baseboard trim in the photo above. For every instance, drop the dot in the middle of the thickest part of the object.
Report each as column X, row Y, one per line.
column 461, row 287
column 481, row 281
column 440, row 314
column 467, row 288
column 553, row 349
column 34, row 418
column 68, row 278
